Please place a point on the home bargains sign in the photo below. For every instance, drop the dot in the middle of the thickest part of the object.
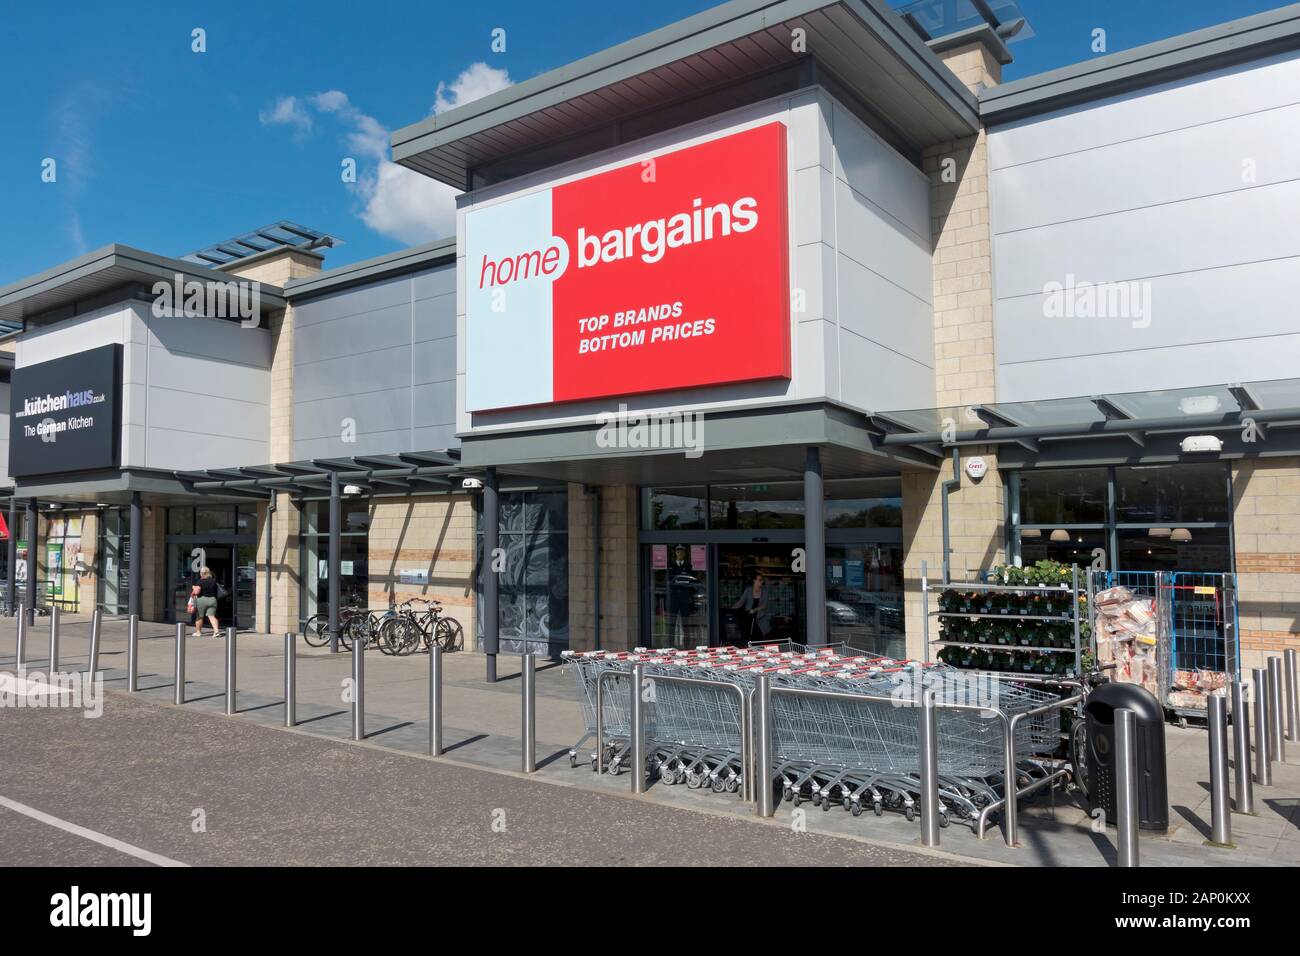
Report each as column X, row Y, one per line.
column 664, row 274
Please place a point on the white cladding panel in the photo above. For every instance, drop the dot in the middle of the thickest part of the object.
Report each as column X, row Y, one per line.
column 195, row 391
column 1185, row 200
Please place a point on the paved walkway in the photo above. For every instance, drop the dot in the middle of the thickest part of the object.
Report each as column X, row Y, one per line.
column 482, row 730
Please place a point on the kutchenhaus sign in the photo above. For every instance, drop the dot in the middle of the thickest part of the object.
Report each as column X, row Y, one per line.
column 65, row 414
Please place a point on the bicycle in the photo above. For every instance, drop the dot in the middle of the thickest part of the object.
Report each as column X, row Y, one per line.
column 446, row 632
column 352, row 619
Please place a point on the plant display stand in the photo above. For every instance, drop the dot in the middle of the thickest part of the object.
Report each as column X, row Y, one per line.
column 1029, row 623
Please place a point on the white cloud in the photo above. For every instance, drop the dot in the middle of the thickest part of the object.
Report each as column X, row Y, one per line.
column 397, row 202
column 407, row 206
column 475, row 82
column 287, row 111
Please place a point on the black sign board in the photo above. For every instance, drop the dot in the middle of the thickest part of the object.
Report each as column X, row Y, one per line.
column 65, row 414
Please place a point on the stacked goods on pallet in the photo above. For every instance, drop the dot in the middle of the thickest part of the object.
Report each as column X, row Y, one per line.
column 1191, row 688
column 1126, row 632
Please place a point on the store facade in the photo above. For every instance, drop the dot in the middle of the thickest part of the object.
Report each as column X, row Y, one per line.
column 744, row 299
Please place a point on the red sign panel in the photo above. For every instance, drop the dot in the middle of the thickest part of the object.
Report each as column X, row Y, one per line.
column 665, row 274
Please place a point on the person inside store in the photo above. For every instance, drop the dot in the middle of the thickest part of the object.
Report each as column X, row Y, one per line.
column 204, row 594
column 753, row 601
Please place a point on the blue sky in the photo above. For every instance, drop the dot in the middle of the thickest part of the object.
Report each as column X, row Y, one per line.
column 169, row 150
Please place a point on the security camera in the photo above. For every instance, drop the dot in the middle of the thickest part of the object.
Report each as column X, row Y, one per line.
column 352, row 489
column 472, row 484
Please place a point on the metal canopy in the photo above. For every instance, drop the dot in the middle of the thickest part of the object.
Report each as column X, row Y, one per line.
column 1245, row 417
column 408, row 473
column 278, row 235
column 609, row 97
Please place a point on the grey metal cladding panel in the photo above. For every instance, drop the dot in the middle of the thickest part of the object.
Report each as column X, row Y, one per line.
column 367, row 443
column 353, row 375
column 206, row 416
column 367, row 298
column 433, row 361
column 434, row 404
column 353, row 335
column 434, row 318
column 434, row 437
column 177, row 450
column 1249, row 225
column 1250, row 37
column 388, row 410
column 439, row 281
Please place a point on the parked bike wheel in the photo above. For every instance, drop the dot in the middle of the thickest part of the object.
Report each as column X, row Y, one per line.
column 316, row 630
column 449, row 634
column 405, row 635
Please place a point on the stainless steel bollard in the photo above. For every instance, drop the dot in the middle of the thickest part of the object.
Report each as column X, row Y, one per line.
column 1245, row 794
column 1292, row 696
column 20, row 649
column 1276, row 747
column 179, row 677
column 929, row 760
column 1263, row 765
column 638, row 757
column 435, row 701
column 132, row 653
column 92, row 657
column 1126, row 808
column 54, row 640
column 231, row 682
column 358, row 687
column 1220, row 817
column 762, row 718
column 290, row 681
column 528, row 716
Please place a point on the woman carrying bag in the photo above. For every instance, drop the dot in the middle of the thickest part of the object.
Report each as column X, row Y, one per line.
column 204, row 596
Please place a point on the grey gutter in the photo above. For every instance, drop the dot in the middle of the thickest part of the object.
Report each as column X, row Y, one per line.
column 438, row 252
column 711, row 28
column 1118, row 427
column 1227, row 44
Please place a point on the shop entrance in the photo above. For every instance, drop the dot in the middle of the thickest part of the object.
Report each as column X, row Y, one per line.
column 780, row 613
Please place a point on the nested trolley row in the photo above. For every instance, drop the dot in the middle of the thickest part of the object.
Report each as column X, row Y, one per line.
column 848, row 751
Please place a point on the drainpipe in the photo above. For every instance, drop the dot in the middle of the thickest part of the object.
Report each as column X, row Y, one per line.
column 270, row 554
column 593, row 492
column 950, row 485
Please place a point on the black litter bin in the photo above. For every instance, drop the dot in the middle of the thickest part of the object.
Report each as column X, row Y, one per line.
column 1149, row 734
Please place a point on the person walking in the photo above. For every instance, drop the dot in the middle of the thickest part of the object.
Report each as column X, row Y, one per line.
column 753, row 601
column 205, row 593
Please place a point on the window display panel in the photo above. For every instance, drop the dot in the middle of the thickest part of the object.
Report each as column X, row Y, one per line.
column 1073, row 496
column 675, row 509
column 777, row 504
column 864, row 598
column 1175, row 549
column 864, row 503
column 1172, row 493
column 679, row 595
column 1067, row 547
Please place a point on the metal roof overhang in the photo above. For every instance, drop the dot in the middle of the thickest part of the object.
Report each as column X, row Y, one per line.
column 1256, row 419
column 408, row 473
column 864, row 44
column 102, row 271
